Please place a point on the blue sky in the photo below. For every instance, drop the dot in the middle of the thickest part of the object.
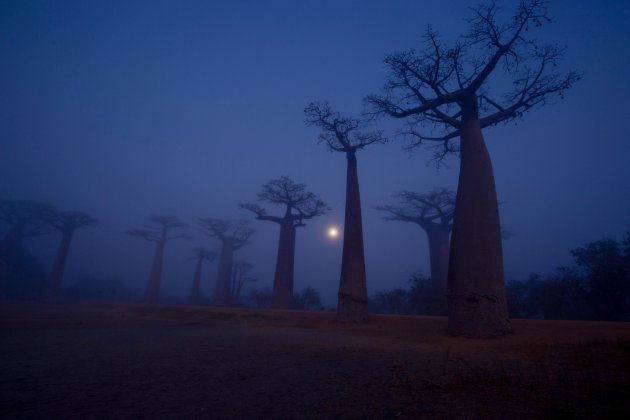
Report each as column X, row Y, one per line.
column 124, row 109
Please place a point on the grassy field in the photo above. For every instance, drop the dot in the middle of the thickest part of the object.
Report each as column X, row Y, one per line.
column 99, row 360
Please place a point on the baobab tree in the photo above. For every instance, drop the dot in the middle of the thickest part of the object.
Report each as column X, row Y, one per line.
column 66, row 222
column 342, row 134
column 23, row 219
column 200, row 254
column 433, row 212
column 233, row 236
column 299, row 205
column 443, row 92
column 160, row 235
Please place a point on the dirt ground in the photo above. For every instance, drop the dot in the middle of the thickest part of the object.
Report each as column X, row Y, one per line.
column 98, row 360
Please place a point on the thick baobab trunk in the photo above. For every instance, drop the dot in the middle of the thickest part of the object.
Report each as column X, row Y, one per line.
column 476, row 291
column 438, row 252
column 195, row 293
column 352, row 305
column 282, row 297
column 152, row 294
column 224, row 276
column 56, row 275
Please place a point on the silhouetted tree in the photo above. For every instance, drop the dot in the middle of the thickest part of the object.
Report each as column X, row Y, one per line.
column 23, row 219
column 605, row 265
column 299, row 205
column 200, row 254
column 66, row 222
column 443, row 93
column 160, row 235
column 392, row 301
column 308, row 298
column 433, row 212
column 239, row 278
column 261, row 298
column 341, row 134
column 233, row 236
column 421, row 295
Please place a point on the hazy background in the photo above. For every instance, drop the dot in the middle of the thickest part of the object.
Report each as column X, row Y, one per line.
column 124, row 109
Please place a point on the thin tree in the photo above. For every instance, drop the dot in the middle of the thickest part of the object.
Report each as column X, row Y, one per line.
column 24, row 219
column 308, row 298
column 200, row 254
column 433, row 212
column 299, row 205
column 444, row 93
column 233, row 236
column 160, row 235
column 66, row 222
column 342, row 134
column 240, row 269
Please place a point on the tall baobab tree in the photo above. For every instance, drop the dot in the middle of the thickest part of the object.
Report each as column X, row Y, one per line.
column 160, row 235
column 444, row 93
column 233, row 236
column 433, row 212
column 66, row 222
column 299, row 205
column 23, row 219
column 342, row 134
column 200, row 254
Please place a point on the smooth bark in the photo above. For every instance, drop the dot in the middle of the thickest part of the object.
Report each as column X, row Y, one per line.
column 282, row 297
column 352, row 304
column 56, row 275
column 476, row 290
column 152, row 294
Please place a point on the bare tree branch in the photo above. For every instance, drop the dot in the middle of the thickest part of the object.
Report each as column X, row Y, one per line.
column 431, row 87
column 434, row 208
column 158, row 233
column 236, row 232
column 299, row 203
column 340, row 134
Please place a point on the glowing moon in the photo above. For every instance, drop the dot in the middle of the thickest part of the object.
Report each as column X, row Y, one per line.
column 333, row 232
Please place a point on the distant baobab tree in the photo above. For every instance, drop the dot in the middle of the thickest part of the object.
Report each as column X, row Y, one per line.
column 299, row 205
column 200, row 254
column 341, row 134
column 160, row 235
column 433, row 212
column 443, row 92
column 240, row 269
column 66, row 222
column 233, row 236
column 23, row 219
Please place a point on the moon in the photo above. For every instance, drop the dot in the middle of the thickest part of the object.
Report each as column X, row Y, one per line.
column 333, row 232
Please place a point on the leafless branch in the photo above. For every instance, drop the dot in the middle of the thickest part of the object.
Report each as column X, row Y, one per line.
column 236, row 232
column 340, row 134
column 431, row 87
column 434, row 208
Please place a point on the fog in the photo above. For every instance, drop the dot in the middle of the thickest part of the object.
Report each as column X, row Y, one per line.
column 128, row 109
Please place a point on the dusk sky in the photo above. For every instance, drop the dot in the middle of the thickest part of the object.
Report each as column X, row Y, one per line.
column 124, row 109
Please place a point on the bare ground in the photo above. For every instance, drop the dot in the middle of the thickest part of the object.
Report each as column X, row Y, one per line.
column 157, row 361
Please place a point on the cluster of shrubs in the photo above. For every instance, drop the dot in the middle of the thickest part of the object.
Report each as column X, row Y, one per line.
column 595, row 287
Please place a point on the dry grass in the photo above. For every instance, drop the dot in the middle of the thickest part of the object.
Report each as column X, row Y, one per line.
column 135, row 360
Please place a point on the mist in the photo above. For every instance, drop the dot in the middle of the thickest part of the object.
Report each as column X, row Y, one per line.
column 125, row 110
